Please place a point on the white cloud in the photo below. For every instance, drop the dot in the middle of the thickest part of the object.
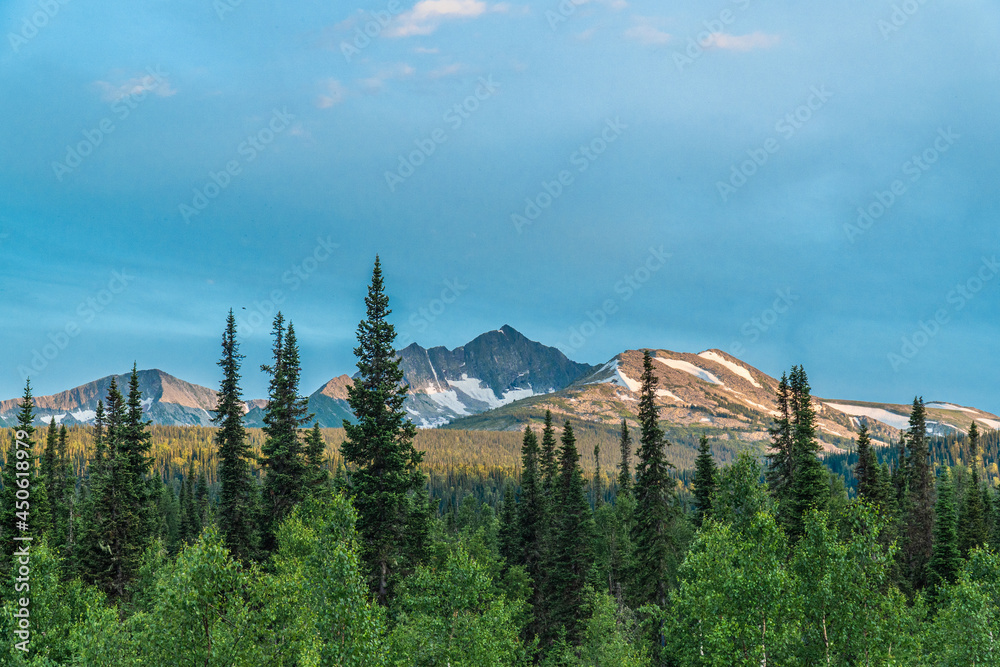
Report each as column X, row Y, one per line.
column 153, row 81
column 427, row 15
column 374, row 84
column 332, row 95
column 647, row 34
column 447, row 70
column 423, row 49
column 755, row 40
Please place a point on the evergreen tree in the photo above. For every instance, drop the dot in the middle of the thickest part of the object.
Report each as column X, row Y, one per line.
column 779, row 462
column 508, row 538
column 64, row 501
column 598, row 491
column 946, row 559
column 810, row 482
column 48, row 477
column 705, row 473
column 548, row 460
column 624, row 476
column 188, row 533
column 972, row 528
column 919, row 505
column 572, row 557
column 866, row 470
column 237, row 489
column 282, row 455
column 652, row 530
column 202, row 505
column 531, row 517
column 387, row 481
column 19, row 474
column 318, row 476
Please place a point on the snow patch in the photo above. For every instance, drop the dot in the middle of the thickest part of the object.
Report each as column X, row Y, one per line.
column 946, row 406
column 878, row 414
column 474, row 388
column 84, row 415
column 449, row 401
column 690, row 368
column 48, row 419
column 668, row 394
column 736, row 368
column 992, row 423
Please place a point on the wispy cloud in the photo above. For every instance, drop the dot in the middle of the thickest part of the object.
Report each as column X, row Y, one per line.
column 374, row 84
column 424, row 49
column 645, row 31
column 332, row 95
column 154, row 81
column 755, row 40
column 427, row 15
column 446, row 71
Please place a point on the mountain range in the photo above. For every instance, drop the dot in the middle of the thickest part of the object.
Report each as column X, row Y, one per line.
column 501, row 380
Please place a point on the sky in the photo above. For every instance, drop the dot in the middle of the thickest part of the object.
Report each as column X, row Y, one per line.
column 793, row 183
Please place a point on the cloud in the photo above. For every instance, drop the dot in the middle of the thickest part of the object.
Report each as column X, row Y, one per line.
column 374, row 84
column 332, row 95
column 154, row 81
column 427, row 15
column 755, row 40
column 423, row 49
column 645, row 33
column 447, row 70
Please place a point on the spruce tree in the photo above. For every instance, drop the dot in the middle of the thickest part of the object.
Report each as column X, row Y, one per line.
column 946, row 559
column 919, row 505
column 548, row 460
column 705, row 481
column 779, row 462
column 237, row 489
column 64, row 501
column 316, row 473
column 201, row 503
column 508, row 537
column 652, row 529
column 625, row 445
column 19, row 474
column 972, row 528
column 387, row 481
column 866, row 470
column 187, row 523
column 810, row 481
column 531, row 517
column 598, row 490
column 48, row 477
column 572, row 556
column 282, row 456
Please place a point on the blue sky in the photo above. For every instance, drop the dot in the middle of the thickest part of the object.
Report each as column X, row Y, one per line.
column 601, row 175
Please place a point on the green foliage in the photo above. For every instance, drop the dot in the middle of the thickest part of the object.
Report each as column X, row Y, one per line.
column 966, row 630
column 704, row 481
column 918, row 501
column 973, row 529
column 611, row 636
column 946, row 559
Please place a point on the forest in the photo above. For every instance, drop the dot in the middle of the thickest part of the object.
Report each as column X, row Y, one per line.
column 127, row 544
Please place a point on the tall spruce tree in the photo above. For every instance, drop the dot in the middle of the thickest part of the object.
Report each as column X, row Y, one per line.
column 188, row 532
column 19, row 474
column 548, row 458
column 388, row 485
column 48, row 477
column 652, row 529
column 531, row 517
column 317, row 475
column 973, row 530
column 705, row 481
column 946, row 559
column 598, row 486
column 779, row 462
column 64, row 501
column 282, row 456
column 810, row 481
column 625, row 445
column 919, row 506
column 508, row 535
column 866, row 469
column 572, row 556
column 237, row 489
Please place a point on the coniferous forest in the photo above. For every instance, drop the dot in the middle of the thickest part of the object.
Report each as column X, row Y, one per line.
column 286, row 547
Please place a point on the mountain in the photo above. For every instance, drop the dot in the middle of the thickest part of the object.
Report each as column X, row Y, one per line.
column 165, row 400
column 717, row 394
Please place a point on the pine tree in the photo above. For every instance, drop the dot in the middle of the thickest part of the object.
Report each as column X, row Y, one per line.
column 598, row 491
column 317, row 474
column 810, row 481
column 531, row 517
column 508, row 537
column 705, row 480
column 866, row 470
column 64, row 501
column 972, row 528
column 387, row 481
column 283, row 458
column 201, row 503
column 572, row 557
column 19, row 474
column 919, row 505
column 779, row 462
column 237, row 489
column 187, row 518
column 48, row 477
column 652, row 530
column 946, row 559
column 548, row 461
column 624, row 476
